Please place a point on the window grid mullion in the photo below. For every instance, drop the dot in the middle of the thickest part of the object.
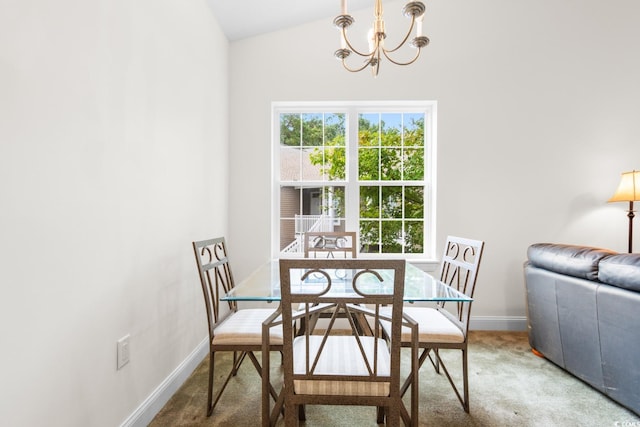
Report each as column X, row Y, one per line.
column 352, row 183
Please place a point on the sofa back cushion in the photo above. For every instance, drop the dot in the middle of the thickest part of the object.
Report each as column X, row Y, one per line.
column 572, row 260
column 622, row 270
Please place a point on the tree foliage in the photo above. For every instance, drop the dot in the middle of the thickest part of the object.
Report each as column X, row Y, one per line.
column 391, row 216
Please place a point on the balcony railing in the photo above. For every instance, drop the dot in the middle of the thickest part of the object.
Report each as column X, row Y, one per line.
column 305, row 223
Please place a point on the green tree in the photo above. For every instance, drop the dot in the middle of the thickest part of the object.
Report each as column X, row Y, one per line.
column 391, row 216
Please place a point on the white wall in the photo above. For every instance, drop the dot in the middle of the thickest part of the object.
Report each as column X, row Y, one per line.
column 113, row 131
column 537, row 117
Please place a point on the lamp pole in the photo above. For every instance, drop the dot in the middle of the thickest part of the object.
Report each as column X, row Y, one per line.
column 628, row 191
column 631, row 214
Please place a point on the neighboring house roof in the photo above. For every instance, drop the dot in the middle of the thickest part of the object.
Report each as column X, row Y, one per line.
column 290, row 165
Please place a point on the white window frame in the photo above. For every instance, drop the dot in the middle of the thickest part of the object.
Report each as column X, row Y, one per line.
column 352, row 109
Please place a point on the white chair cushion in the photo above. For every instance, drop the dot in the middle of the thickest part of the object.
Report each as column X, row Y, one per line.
column 341, row 356
column 433, row 326
column 245, row 328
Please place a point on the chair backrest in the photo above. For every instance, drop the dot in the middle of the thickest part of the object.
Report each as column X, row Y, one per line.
column 353, row 288
column 215, row 277
column 326, row 244
column 459, row 269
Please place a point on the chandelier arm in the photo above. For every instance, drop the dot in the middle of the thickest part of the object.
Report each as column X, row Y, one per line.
column 376, row 66
column 350, row 46
column 413, row 20
column 355, row 70
column 414, row 9
column 402, row 63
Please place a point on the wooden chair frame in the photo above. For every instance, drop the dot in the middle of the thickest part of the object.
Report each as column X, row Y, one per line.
column 363, row 312
column 216, row 279
column 459, row 269
column 330, row 243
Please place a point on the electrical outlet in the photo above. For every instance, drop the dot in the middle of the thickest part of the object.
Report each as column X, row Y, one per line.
column 123, row 351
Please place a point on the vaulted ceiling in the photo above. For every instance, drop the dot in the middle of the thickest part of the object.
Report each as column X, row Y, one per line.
column 246, row 18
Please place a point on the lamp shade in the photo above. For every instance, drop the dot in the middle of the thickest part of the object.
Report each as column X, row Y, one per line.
column 628, row 189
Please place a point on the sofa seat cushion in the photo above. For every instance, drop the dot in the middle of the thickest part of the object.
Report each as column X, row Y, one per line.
column 622, row 270
column 572, row 260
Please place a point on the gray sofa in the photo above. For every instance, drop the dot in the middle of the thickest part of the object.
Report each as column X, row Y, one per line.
column 584, row 315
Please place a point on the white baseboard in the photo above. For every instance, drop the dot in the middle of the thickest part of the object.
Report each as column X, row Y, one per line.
column 498, row 323
column 145, row 413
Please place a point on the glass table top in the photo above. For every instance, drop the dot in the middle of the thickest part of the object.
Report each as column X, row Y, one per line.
column 264, row 285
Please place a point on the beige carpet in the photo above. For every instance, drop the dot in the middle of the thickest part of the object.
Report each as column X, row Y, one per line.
column 509, row 386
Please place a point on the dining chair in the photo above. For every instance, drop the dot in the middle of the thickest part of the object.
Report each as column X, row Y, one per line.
column 230, row 329
column 327, row 244
column 361, row 367
column 445, row 327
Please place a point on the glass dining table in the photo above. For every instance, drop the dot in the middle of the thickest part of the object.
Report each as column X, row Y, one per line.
column 419, row 286
column 264, row 285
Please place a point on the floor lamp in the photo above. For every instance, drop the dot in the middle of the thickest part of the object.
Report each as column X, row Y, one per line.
column 628, row 191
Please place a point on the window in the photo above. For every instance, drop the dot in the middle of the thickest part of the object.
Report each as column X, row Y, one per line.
column 366, row 167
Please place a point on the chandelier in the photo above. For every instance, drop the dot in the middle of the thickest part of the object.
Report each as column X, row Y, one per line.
column 372, row 57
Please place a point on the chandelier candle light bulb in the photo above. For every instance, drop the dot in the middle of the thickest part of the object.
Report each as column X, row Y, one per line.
column 413, row 10
column 371, row 39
